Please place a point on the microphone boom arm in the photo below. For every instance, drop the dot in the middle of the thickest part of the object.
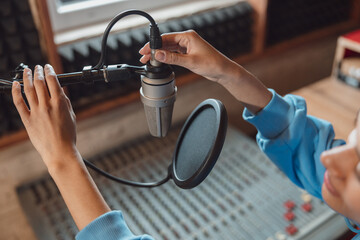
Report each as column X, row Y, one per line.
column 111, row 73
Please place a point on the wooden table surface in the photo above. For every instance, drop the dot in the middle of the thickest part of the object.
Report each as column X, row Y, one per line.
column 334, row 101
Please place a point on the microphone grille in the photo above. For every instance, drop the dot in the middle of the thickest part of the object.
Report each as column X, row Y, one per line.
column 159, row 119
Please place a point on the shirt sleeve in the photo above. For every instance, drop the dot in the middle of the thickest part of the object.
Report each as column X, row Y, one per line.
column 109, row 226
column 294, row 140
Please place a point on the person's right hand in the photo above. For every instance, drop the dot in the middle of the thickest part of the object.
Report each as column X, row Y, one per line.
column 189, row 50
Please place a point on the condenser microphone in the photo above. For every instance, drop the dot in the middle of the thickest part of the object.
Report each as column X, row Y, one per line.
column 158, row 94
column 158, row 90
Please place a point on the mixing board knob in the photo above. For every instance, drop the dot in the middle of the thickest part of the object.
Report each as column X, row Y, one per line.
column 289, row 205
column 280, row 236
column 289, row 216
column 307, row 207
column 306, row 197
column 291, row 229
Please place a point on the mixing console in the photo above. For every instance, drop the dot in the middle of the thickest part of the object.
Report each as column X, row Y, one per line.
column 244, row 197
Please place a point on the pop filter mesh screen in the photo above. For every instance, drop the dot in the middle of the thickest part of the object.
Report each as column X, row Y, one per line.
column 197, row 140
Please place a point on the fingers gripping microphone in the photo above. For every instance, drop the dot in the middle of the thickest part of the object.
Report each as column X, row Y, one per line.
column 158, row 93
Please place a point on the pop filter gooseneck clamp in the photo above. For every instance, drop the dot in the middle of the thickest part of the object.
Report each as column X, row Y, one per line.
column 203, row 134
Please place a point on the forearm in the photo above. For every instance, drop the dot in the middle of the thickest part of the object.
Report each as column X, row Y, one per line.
column 78, row 190
column 51, row 125
column 245, row 87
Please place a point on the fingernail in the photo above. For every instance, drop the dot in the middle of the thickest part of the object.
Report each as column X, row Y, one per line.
column 38, row 69
column 16, row 84
column 160, row 56
column 27, row 71
column 141, row 50
column 40, row 72
column 141, row 58
column 48, row 66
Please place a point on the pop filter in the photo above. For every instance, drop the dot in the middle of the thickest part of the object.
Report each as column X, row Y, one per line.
column 197, row 148
column 199, row 144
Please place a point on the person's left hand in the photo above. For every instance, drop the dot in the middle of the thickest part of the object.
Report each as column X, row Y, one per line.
column 50, row 122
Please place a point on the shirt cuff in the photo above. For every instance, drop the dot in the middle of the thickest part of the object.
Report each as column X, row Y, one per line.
column 108, row 226
column 273, row 119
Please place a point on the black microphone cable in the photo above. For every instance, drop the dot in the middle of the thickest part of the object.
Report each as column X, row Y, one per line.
column 123, row 181
column 155, row 37
column 155, row 43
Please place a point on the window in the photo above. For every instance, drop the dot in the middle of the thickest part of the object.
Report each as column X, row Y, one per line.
column 70, row 14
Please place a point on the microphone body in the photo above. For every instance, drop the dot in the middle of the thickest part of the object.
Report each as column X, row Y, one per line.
column 158, row 97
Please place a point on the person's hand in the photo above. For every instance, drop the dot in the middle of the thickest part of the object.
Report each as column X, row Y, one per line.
column 50, row 121
column 189, row 50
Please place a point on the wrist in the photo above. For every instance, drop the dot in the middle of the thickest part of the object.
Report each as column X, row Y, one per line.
column 63, row 162
column 231, row 74
column 245, row 87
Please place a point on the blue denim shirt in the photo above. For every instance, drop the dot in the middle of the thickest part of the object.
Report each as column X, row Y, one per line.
column 294, row 140
column 109, row 226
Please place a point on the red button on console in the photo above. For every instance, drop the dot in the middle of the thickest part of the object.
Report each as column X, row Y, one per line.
column 307, row 207
column 289, row 205
column 291, row 229
column 289, row 216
